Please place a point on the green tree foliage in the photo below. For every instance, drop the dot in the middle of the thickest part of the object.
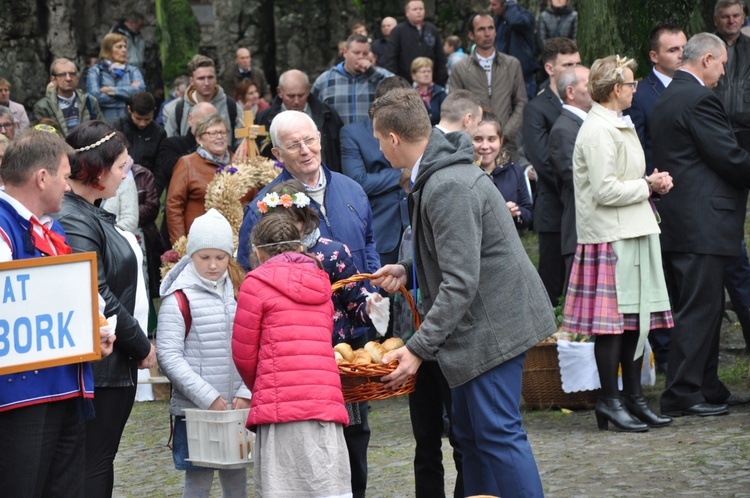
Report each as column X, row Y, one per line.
column 598, row 34
column 178, row 35
column 609, row 27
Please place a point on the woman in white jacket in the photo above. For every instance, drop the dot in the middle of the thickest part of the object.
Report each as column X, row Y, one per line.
column 198, row 361
column 616, row 290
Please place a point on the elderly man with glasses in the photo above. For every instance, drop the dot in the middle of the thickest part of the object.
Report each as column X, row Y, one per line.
column 345, row 216
column 65, row 104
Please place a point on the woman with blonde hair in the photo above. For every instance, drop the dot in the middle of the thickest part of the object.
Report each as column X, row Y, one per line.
column 432, row 94
column 112, row 80
column 617, row 290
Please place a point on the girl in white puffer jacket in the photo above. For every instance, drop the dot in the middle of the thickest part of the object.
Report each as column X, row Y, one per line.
column 198, row 361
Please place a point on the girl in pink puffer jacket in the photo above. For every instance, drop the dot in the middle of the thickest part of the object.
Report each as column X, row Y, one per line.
column 282, row 348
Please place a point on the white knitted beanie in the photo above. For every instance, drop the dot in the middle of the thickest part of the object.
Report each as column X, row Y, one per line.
column 210, row 231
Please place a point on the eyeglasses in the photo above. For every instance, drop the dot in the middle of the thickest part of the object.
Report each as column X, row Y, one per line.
column 634, row 84
column 6, row 126
column 69, row 74
column 214, row 134
column 309, row 142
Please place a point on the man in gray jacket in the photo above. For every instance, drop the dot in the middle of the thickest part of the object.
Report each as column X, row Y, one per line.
column 203, row 88
column 65, row 104
column 484, row 303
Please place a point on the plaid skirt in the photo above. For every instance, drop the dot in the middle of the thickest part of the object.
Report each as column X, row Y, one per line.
column 591, row 299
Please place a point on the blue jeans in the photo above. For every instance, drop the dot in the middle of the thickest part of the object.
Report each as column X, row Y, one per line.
column 497, row 456
column 180, row 445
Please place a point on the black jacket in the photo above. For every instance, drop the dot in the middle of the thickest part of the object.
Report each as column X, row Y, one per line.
column 539, row 115
column 90, row 229
column 734, row 87
column 694, row 142
column 406, row 43
column 171, row 150
column 562, row 141
column 326, row 119
column 144, row 144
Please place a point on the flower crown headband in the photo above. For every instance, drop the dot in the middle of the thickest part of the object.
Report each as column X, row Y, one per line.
column 96, row 144
column 286, row 200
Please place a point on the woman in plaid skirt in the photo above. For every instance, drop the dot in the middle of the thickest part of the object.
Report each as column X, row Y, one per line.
column 616, row 290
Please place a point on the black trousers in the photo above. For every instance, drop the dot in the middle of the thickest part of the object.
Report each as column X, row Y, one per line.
column 358, row 439
column 42, row 450
column 696, row 289
column 551, row 265
column 430, row 399
column 103, row 433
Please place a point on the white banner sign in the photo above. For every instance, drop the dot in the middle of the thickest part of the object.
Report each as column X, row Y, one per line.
column 48, row 312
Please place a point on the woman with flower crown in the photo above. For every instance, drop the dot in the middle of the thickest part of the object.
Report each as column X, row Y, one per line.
column 616, row 290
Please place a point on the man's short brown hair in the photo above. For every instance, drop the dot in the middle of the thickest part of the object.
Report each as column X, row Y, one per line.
column 199, row 60
column 32, row 151
column 401, row 111
column 558, row 46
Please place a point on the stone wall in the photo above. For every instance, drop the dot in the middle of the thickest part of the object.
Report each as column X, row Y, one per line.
column 34, row 33
column 284, row 34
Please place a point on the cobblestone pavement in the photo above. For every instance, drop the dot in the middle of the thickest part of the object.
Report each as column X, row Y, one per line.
column 692, row 457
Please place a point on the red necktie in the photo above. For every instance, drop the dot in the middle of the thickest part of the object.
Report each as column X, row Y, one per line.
column 51, row 243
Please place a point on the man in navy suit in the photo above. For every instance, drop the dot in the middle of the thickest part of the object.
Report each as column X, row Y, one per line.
column 573, row 89
column 538, row 117
column 667, row 42
column 363, row 162
column 702, row 223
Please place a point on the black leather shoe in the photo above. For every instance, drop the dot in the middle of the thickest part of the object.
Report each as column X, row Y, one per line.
column 638, row 406
column 701, row 409
column 734, row 400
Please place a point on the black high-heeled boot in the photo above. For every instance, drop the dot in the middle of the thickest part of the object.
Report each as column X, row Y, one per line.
column 638, row 406
column 612, row 410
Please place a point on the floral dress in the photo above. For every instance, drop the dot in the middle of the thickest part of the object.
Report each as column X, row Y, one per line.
column 350, row 301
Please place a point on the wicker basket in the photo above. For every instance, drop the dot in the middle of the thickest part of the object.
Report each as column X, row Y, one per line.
column 361, row 382
column 542, row 385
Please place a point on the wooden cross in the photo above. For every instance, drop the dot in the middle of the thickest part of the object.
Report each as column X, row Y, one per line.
column 251, row 132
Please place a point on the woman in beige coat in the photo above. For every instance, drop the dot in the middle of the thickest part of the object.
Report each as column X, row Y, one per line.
column 616, row 290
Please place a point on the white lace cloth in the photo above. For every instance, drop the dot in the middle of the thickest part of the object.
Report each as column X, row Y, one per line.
column 578, row 367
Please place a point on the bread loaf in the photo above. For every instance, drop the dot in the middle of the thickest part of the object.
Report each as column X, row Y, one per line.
column 345, row 351
column 338, row 357
column 392, row 343
column 362, row 357
column 376, row 351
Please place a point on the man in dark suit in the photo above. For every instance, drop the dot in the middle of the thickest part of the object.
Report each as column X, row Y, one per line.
column 364, row 162
column 702, row 223
column 667, row 42
column 573, row 88
column 538, row 117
